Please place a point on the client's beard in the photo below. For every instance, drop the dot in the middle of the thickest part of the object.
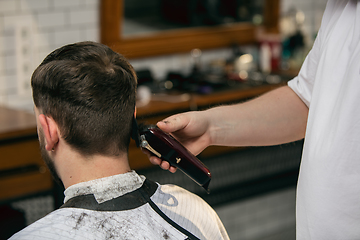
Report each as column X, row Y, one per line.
column 47, row 159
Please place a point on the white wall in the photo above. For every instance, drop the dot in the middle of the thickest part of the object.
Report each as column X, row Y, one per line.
column 29, row 30
column 313, row 10
column 54, row 23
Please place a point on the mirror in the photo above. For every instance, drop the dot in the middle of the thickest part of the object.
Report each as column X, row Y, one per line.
column 181, row 39
column 155, row 16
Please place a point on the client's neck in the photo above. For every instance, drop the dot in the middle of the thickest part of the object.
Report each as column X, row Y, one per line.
column 74, row 168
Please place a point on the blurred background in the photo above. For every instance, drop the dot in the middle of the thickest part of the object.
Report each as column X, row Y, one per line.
column 189, row 55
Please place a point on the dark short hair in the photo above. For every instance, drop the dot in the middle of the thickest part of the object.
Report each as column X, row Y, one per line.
column 89, row 90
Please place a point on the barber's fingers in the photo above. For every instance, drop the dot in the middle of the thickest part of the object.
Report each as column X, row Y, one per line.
column 154, row 160
column 166, row 166
column 163, row 164
column 157, row 161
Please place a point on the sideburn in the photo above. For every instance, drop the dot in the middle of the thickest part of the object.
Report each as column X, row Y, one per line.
column 47, row 159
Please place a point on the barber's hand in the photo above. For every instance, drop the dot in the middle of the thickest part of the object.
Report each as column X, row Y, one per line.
column 191, row 129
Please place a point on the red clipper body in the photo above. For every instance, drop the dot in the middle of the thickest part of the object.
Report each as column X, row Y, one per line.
column 167, row 148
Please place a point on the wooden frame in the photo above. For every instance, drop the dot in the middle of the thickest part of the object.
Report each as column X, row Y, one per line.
column 178, row 41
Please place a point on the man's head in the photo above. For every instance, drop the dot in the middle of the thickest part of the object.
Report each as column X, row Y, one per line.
column 89, row 91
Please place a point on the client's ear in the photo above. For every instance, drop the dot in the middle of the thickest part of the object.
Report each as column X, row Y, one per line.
column 50, row 130
column 135, row 113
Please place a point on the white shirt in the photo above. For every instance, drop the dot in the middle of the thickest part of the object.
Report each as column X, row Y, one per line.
column 328, row 194
column 142, row 222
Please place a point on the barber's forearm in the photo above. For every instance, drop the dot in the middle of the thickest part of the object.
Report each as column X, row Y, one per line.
column 273, row 118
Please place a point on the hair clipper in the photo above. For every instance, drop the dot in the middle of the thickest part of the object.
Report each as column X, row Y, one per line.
column 167, row 148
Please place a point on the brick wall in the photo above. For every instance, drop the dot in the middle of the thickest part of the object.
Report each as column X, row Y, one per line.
column 49, row 24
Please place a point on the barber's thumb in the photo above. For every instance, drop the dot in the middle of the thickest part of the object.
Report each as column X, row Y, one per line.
column 169, row 125
column 165, row 125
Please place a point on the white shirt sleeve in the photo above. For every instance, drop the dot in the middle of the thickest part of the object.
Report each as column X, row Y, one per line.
column 303, row 84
